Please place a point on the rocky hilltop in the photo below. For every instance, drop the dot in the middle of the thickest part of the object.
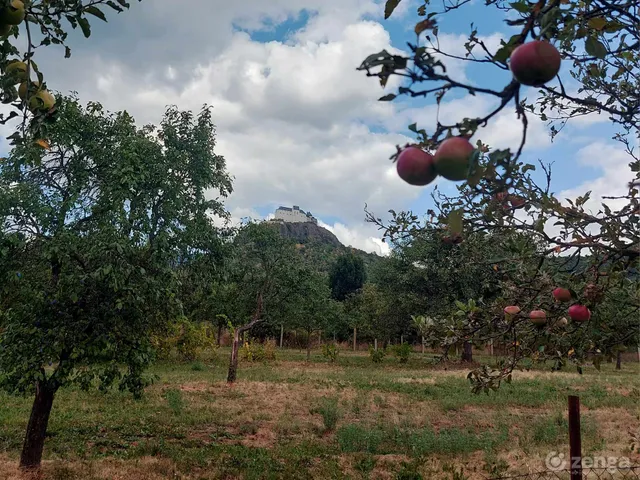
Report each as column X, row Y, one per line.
column 318, row 245
column 307, row 232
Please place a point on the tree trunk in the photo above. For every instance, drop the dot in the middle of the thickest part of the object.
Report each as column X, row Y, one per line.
column 401, row 339
column 375, row 344
column 233, row 363
column 308, row 346
column 281, row 334
column 354, row 338
column 619, row 360
column 219, row 334
column 491, row 347
column 37, row 427
column 422, row 345
column 467, row 352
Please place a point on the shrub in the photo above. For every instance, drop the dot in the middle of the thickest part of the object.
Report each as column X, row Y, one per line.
column 252, row 352
column 258, row 352
column 354, row 438
column 197, row 367
column 270, row 350
column 377, row 355
column 328, row 409
column 330, row 352
column 192, row 338
column 187, row 337
column 175, row 401
column 402, row 351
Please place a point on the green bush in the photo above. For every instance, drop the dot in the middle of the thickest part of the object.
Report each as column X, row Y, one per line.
column 377, row 355
column 354, row 438
column 258, row 352
column 402, row 351
column 187, row 337
column 192, row 338
column 329, row 411
column 175, row 401
column 330, row 352
column 197, row 367
column 270, row 349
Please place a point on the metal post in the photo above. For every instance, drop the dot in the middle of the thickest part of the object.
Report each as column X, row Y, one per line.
column 575, row 443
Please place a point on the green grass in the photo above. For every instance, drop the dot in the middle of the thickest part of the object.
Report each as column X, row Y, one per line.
column 293, row 419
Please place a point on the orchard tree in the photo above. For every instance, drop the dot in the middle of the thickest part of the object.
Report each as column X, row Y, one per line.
column 92, row 231
column 589, row 253
column 429, row 271
column 347, row 276
column 35, row 24
column 261, row 281
column 309, row 306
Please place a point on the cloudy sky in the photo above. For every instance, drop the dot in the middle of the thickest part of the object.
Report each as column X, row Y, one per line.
column 296, row 122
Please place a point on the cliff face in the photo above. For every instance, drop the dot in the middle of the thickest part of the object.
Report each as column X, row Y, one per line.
column 308, row 232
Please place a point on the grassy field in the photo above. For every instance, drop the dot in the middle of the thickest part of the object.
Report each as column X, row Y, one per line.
column 291, row 419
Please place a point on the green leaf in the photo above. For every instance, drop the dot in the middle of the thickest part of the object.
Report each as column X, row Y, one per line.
column 595, row 47
column 387, row 98
column 115, row 6
column 503, row 54
column 413, row 127
column 96, row 12
column 124, row 3
column 389, row 7
column 84, row 25
column 455, row 222
column 521, row 7
column 597, row 23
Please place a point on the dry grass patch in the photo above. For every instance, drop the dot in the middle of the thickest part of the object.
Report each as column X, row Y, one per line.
column 145, row 468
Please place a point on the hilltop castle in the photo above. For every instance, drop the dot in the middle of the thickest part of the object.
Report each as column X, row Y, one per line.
column 294, row 215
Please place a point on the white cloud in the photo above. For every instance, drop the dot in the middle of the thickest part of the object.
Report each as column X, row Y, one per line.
column 295, row 119
column 362, row 237
column 612, row 162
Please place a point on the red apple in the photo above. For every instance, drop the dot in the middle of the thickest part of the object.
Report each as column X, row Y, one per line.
column 535, row 63
column 512, row 310
column 452, row 240
column 516, row 201
column 579, row 313
column 538, row 317
column 501, row 198
column 562, row 295
column 415, row 166
column 452, row 158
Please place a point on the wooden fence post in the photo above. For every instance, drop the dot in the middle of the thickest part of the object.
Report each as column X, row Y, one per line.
column 575, row 442
column 281, row 334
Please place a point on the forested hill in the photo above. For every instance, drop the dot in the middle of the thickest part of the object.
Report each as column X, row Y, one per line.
column 320, row 246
